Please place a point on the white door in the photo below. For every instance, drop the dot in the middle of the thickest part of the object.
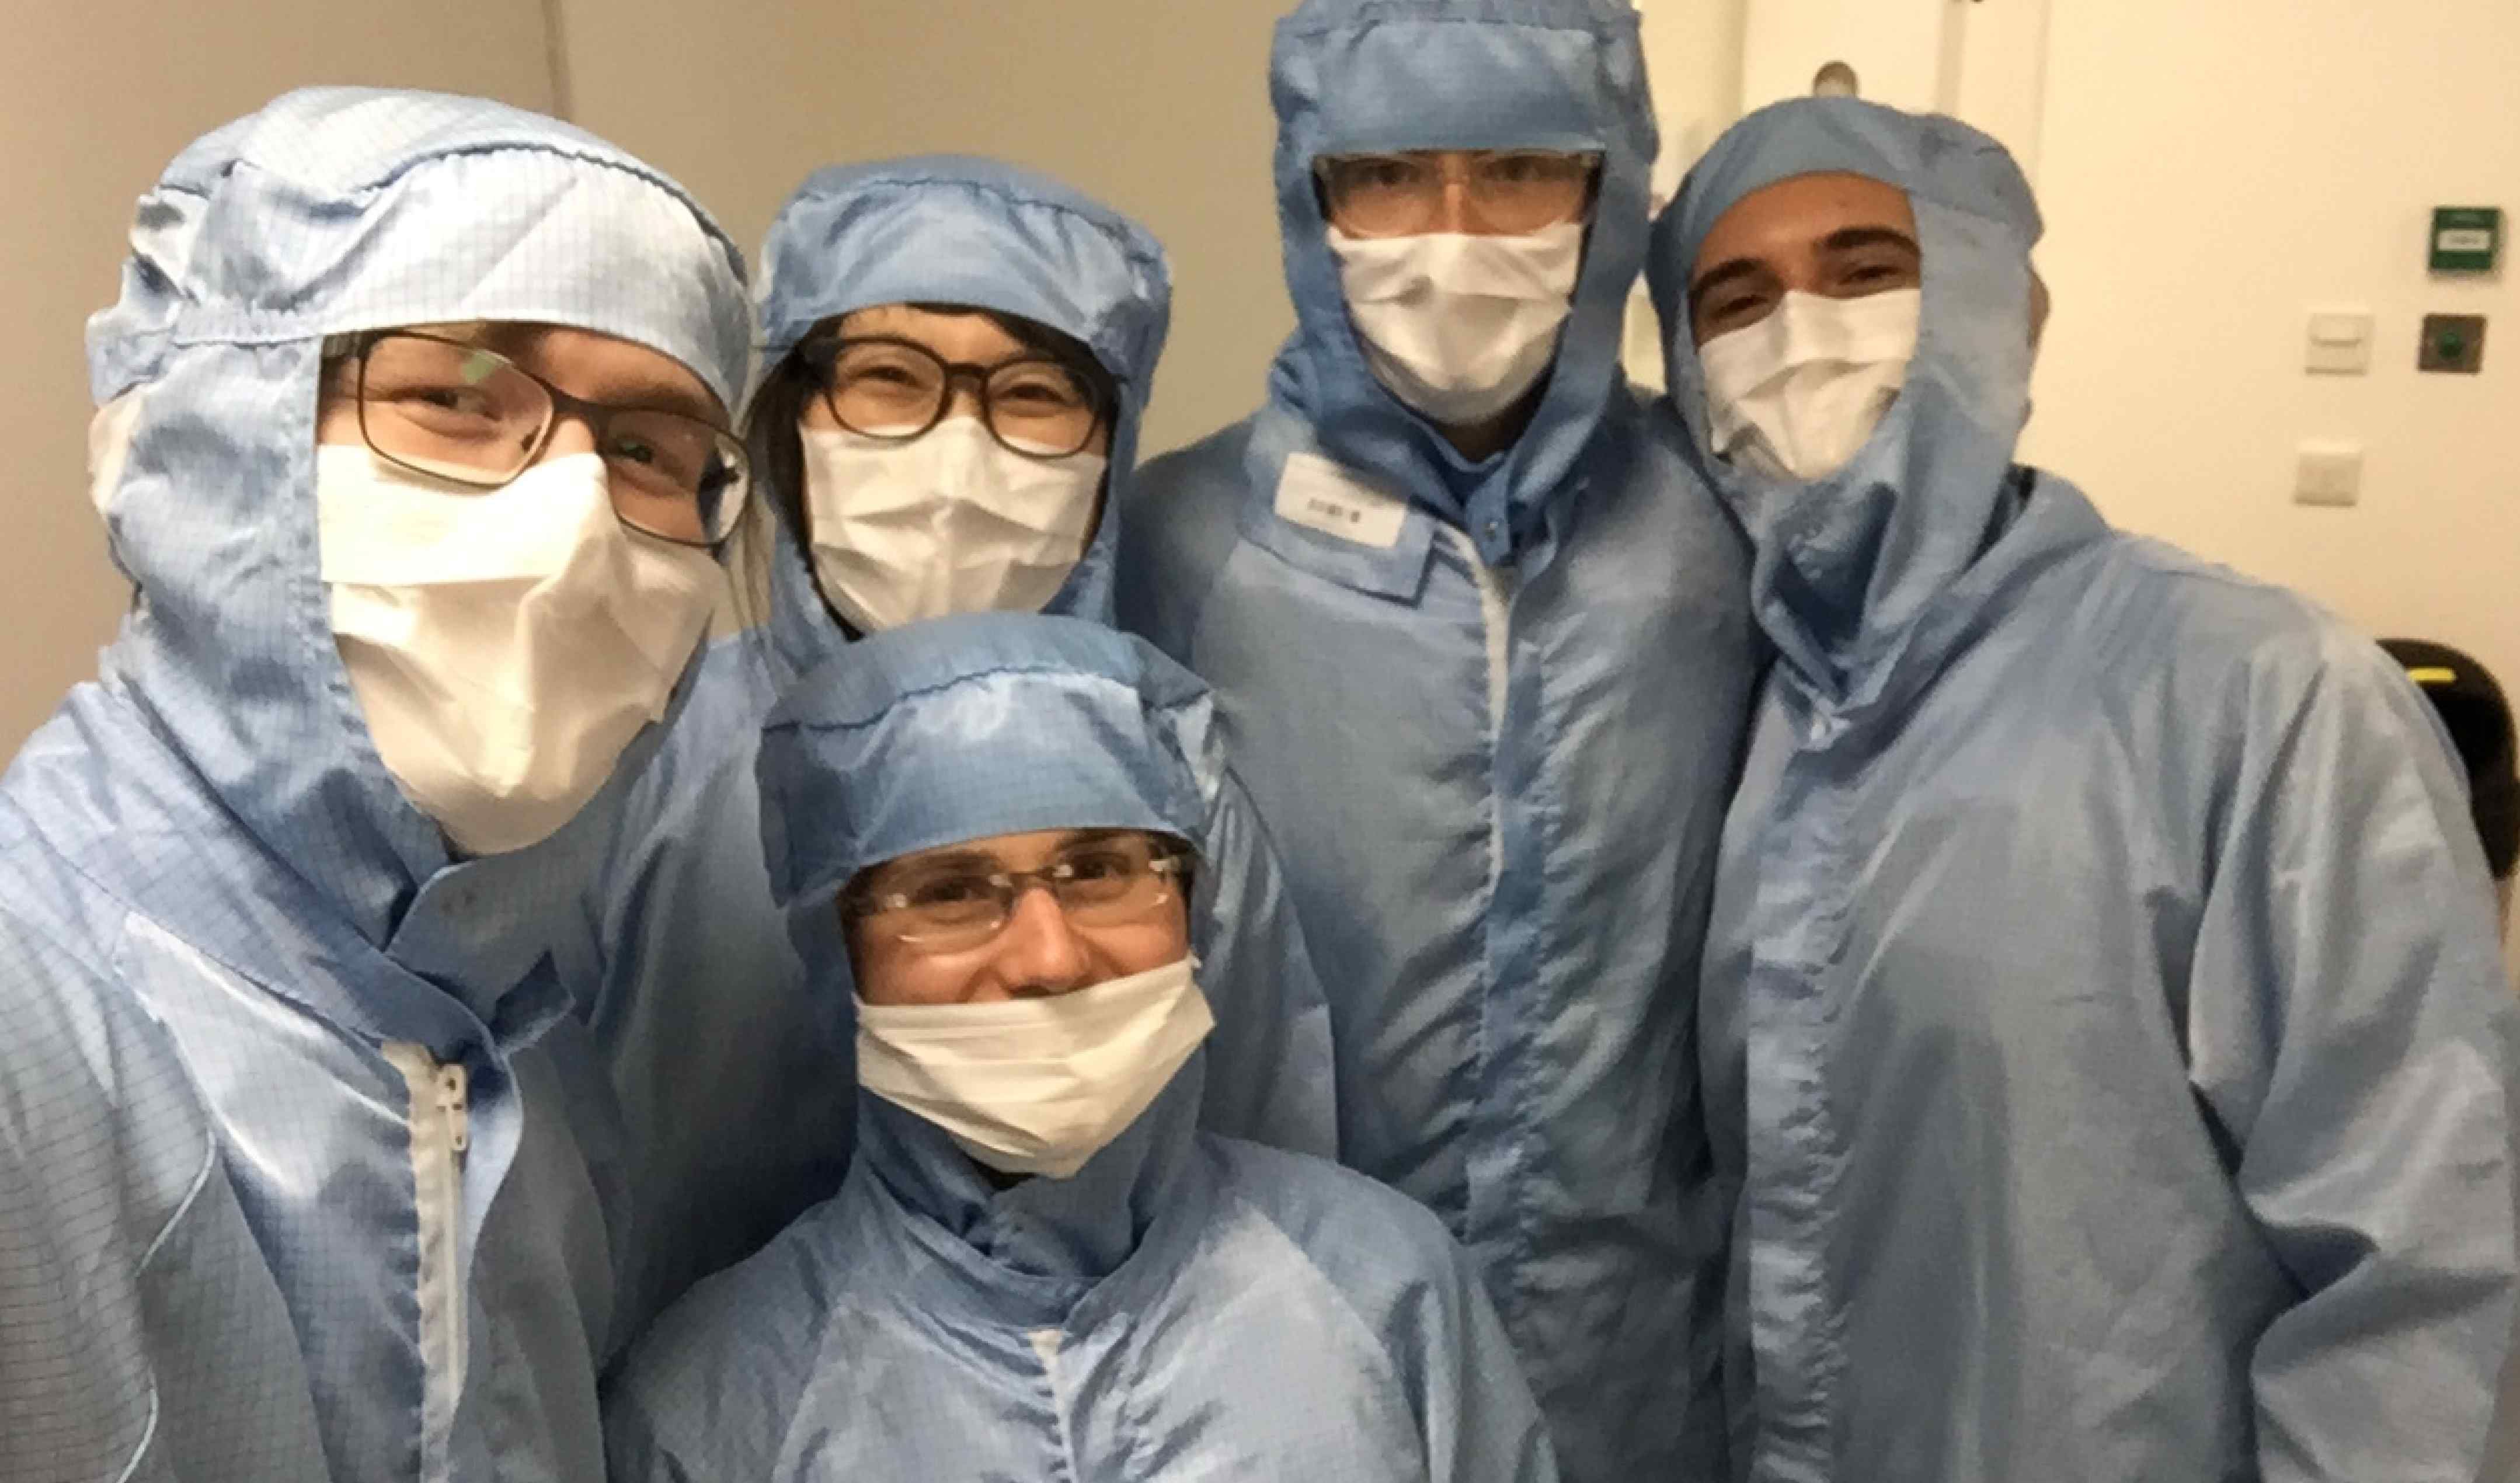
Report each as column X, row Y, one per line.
column 1983, row 60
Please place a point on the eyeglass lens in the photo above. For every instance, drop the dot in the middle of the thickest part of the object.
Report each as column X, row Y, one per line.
column 1398, row 195
column 463, row 412
column 963, row 903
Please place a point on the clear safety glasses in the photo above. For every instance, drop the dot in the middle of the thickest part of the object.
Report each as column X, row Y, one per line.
column 1504, row 191
column 459, row 412
column 962, row 901
column 898, row 389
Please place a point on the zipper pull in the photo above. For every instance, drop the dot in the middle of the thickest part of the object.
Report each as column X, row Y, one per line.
column 454, row 1097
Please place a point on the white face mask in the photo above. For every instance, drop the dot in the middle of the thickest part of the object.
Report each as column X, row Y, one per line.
column 1797, row 395
column 948, row 523
column 1036, row 1086
column 1460, row 326
column 505, row 644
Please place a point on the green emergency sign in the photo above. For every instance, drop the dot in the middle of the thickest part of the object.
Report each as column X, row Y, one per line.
column 2466, row 238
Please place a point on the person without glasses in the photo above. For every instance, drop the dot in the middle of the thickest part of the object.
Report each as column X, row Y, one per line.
column 2104, row 1041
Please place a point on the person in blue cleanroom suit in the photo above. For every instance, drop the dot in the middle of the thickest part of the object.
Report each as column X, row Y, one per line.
column 2104, row 1039
column 1482, row 653
column 1038, row 1265
column 870, row 276
column 415, row 445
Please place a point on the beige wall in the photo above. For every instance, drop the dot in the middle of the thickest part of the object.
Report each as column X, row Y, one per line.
column 2212, row 173
column 1694, row 52
column 94, row 98
column 1161, row 110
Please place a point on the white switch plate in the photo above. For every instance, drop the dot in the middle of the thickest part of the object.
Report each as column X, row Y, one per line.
column 2340, row 341
column 2330, row 474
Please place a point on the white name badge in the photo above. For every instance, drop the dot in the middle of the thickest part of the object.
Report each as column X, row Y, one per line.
column 1320, row 495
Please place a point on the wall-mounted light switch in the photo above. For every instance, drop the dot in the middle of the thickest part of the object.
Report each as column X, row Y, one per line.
column 2340, row 341
column 2330, row 474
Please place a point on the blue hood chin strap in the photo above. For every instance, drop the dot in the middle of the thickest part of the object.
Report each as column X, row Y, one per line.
column 1855, row 575
column 960, row 230
column 1367, row 75
column 1067, row 1234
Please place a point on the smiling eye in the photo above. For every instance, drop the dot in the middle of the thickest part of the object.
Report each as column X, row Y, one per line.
column 1735, row 308
column 1108, row 864
column 459, row 399
column 1036, row 385
column 958, row 890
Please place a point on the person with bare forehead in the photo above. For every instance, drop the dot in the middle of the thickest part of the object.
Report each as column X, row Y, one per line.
column 2102, row 1029
column 984, row 832
column 415, row 445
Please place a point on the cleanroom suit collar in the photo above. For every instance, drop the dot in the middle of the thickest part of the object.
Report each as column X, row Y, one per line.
column 331, row 211
column 1029, row 1252
column 950, row 229
column 1377, row 75
column 1858, row 577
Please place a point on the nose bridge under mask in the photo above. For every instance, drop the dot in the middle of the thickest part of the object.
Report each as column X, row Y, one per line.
column 951, row 522
column 1459, row 324
column 1037, row 1085
column 1796, row 395
column 381, row 524
column 504, row 646
column 958, row 452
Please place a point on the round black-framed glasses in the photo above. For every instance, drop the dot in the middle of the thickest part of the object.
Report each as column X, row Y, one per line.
column 898, row 390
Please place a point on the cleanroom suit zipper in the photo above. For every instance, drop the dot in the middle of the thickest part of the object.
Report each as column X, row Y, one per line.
column 1486, row 1215
column 1496, row 602
column 440, row 1120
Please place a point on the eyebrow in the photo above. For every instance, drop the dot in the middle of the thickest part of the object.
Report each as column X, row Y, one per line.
column 659, row 392
column 1843, row 240
column 930, row 860
column 1848, row 239
column 647, row 389
column 962, row 858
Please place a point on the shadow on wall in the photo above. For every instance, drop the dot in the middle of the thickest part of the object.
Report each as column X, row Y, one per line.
column 95, row 99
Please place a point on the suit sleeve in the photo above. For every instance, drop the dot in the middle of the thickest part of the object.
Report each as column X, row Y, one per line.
column 2352, row 1035
column 141, row 1332
column 1482, row 1423
column 1269, row 1076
